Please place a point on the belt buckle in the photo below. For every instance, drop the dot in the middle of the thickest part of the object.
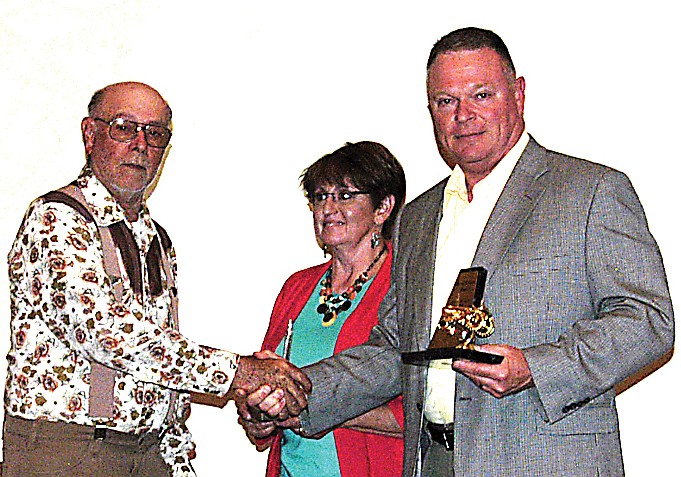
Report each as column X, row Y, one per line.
column 99, row 433
column 448, row 435
column 442, row 434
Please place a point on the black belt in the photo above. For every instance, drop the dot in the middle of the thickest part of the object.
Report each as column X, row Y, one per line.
column 442, row 434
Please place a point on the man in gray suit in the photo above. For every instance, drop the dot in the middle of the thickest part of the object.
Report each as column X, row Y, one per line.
column 575, row 282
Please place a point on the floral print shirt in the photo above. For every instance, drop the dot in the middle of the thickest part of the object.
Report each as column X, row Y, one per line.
column 64, row 313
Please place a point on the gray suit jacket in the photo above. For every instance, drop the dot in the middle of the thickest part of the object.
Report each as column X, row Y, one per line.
column 575, row 279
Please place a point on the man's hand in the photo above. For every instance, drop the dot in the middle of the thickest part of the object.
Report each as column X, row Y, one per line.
column 267, row 403
column 258, row 432
column 512, row 375
column 291, row 383
column 263, row 428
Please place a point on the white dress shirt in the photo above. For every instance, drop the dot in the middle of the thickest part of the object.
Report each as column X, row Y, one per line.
column 460, row 230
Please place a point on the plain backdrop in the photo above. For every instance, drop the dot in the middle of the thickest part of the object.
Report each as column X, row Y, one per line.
column 261, row 89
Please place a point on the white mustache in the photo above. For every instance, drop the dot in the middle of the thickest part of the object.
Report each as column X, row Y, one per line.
column 140, row 159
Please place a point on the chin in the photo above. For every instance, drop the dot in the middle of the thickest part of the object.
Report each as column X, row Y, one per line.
column 332, row 242
column 128, row 189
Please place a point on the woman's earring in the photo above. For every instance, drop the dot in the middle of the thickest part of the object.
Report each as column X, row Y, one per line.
column 375, row 240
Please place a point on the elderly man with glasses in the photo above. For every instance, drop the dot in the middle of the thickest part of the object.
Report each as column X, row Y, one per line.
column 99, row 376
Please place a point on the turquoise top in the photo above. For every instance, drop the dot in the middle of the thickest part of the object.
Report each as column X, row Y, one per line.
column 302, row 457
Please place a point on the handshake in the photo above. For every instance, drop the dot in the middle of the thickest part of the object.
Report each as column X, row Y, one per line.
column 269, row 392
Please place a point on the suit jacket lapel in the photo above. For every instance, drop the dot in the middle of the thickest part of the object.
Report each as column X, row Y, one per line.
column 423, row 222
column 525, row 186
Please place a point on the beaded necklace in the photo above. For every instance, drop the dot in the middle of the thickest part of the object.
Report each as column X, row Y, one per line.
column 330, row 305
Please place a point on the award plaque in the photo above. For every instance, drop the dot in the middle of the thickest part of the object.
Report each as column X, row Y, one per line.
column 463, row 319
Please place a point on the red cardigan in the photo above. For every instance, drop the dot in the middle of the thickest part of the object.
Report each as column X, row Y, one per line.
column 360, row 454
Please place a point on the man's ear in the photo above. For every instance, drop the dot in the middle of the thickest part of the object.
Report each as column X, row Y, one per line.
column 87, row 128
column 520, row 95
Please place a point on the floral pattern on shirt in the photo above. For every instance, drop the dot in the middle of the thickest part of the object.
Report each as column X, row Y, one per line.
column 64, row 313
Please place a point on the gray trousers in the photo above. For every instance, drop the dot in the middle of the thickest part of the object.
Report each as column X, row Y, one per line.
column 43, row 448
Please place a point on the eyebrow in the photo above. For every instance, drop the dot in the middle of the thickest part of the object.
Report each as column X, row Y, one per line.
column 473, row 87
column 132, row 118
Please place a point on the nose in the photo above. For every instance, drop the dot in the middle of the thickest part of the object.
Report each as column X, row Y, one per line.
column 140, row 140
column 330, row 205
column 464, row 112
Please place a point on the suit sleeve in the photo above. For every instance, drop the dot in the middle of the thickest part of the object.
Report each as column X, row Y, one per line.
column 357, row 379
column 633, row 322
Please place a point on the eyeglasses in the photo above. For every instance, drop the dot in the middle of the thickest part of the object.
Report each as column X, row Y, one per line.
column 125, row 130
column 342, row 197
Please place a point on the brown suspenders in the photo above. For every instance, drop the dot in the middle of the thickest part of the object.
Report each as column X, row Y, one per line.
column 102, row 378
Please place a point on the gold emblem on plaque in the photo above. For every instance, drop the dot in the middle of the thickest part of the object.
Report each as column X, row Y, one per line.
column 463, row 319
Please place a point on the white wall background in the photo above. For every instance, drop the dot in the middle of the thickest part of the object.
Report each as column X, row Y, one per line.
column 261, row 89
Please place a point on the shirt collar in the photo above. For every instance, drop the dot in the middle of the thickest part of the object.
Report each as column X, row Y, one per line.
column 456, row 185
column 104, row 207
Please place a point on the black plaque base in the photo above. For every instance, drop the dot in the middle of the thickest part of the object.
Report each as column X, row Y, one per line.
column 423, row 358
